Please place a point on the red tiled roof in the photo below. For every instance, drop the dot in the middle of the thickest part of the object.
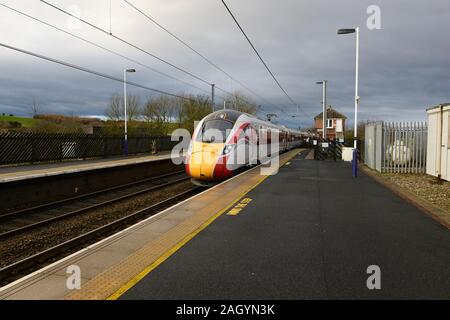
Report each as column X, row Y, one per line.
column 331, row 114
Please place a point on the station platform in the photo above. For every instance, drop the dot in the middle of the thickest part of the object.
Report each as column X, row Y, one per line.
column 309, row 232
column 26, row 172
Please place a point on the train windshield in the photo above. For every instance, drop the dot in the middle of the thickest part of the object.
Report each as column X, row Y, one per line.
column 215, row 131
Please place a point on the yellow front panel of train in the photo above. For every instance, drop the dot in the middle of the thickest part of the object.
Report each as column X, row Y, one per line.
column 203, row 159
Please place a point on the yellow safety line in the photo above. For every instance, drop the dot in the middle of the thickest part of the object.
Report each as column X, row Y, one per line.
column 131, row 283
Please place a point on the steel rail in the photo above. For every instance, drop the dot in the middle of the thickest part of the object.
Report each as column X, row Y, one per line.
column 39, row 258
column 85, row 209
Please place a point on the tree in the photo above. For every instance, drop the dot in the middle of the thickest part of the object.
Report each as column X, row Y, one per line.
column 35, row 108
column 161, row 109
column 133, row 107
column 161, row 113
column 116, row 112
column 194, row 108
column 241, row 102
column 349, row 133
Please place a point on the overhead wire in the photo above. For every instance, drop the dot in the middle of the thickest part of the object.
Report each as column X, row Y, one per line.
column 104, row 48
column 257, row 53
column 190, row 47
column 90, row 71
column 123, row 56
column 127, row 43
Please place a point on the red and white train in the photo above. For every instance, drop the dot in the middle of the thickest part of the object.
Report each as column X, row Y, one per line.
column 226, row 141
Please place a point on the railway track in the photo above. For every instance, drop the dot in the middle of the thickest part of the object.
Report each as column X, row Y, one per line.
column 21, row 222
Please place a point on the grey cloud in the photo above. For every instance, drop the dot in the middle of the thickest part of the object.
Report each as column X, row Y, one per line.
column 404, row 66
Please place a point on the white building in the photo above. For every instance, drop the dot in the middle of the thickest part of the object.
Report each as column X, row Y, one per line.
column 438, row 148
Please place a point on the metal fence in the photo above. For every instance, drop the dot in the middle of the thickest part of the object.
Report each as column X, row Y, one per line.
column 26, row 147
column 399, row 147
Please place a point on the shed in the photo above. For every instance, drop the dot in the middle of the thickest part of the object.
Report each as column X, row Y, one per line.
column 438, row 148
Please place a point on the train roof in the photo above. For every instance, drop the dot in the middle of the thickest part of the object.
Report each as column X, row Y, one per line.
column 227, row 114
column 233, row 115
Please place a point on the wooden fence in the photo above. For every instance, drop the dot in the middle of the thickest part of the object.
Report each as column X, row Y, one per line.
column 28, row 147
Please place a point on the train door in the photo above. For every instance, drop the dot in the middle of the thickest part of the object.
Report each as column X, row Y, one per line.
column 241, row 154
column 252, row 142
column 258, row 143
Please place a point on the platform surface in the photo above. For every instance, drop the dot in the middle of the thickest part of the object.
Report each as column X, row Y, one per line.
column 16, row 173
column 310, row 232
column 111, row 266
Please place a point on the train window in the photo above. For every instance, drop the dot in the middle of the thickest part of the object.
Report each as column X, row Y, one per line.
column 215, row 131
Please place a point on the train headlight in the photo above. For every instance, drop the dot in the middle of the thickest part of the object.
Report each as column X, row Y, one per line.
column 228, row 148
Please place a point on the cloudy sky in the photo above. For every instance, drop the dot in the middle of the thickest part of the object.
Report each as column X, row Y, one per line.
column 404, row 66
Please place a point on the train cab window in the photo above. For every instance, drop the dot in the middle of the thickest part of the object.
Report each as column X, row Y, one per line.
column 215, row 131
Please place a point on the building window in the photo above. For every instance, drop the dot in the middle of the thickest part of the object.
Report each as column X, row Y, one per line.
column 329, row 123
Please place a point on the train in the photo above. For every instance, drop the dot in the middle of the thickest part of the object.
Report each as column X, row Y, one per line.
column 226, row 142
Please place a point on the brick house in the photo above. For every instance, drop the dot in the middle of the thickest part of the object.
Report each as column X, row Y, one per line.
column 335, row 124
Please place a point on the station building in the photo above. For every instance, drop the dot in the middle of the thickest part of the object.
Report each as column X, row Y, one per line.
column 335, row 124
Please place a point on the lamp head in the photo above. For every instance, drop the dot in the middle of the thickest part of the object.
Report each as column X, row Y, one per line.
column 346, row 31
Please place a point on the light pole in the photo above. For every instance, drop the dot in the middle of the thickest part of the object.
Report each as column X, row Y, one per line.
column 225, row 104
column 324, row 107
column 347, row 31
column 213, row 86
column 125, row 71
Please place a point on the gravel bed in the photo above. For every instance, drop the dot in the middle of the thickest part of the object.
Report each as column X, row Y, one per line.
column 27, row 244
column 425, row 186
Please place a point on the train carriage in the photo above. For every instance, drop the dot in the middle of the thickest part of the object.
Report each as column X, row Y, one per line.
column 226, row 141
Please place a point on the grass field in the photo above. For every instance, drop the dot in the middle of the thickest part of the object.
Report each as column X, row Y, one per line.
column 26, row 122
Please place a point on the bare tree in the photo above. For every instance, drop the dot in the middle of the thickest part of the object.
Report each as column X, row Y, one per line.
column 115, row 108
column 133, row 107
column 242, row 103
column 35, row 108
column 161, row 113
column 160, row 109
column 194, row 109
column 116, row 112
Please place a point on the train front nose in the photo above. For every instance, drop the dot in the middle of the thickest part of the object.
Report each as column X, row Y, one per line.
column 202, row 160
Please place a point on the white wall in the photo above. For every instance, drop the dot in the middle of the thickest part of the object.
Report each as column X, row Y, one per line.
column 339, row 125
column 434, row 146
column 432, row 142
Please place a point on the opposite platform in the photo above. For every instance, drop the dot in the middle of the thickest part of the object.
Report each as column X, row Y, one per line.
column 18, row 173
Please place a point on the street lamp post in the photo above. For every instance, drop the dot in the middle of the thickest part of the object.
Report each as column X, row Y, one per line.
column 213, row 102
column 324, row 107
column 347, row 31
column 125, row 71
